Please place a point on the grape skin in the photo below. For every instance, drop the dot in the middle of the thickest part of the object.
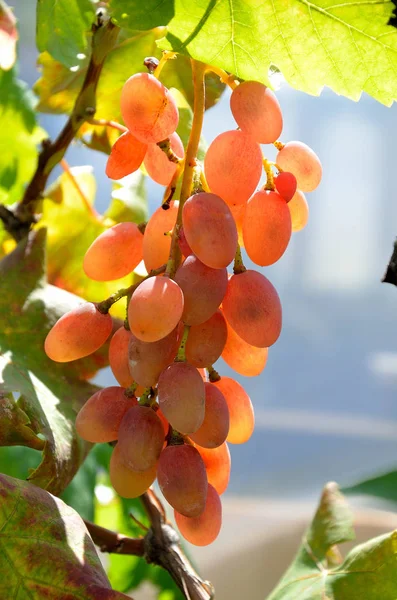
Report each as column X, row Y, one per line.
column 299, row 210
column 215, row 427
column 78, row 333
column 299, row 159
column 217, row 463
column 242, row 357
column 126, row 156
column 206, row 341
column 241, row 412
column 286, row 185
column 118, row 357
column 157, row 164
column 202, row 530
column 156, row 242
column 127, row 483
column 141, row 438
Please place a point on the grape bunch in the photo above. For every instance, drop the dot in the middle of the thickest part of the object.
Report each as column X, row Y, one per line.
column 172, row 415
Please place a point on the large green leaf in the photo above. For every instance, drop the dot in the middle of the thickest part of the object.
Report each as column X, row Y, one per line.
column 19, row 137
column 141, row 15
column 50, row 392
column 45, row 549
column 62, row 28
column 347, row 46
column 368, row 571
column 382, row 486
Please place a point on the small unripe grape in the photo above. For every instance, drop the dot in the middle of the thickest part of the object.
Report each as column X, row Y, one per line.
column 233, row 166
column 206, row 341
column 257, row 111
column 99, row 419
column 252, row 307
column 210, row 229
column 300, row 160
column 182, row 479
column 115, row 253
column 78, row 333
column 203, row 289
column 217, row 463
column 157, row 241
column 181, row 397
column 155, row 308
column 202, row 530
column 141, row 438
column 266, row 227
column 148, row 108
column 299, row 210
column 158, row 165
column 242, row 357
column 127, row 483
column 118, row 357
column 241, row 412
column 286, row 185
column 126, row 156
column 215, row 427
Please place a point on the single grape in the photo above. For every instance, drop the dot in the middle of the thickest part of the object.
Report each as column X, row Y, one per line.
column 252, row 308
column 242, row 357
column 157, row 241
column 210, row 229
column 183, row 245
column 299, row 210
column 238, row 213
column 148, row 108
column 285, row 183
column 78, row 333
column 182, row 479
column 215, row 427
column 148, row 359
column 300, row 160
column 164, row 421
column 127, row 483
column 266, row 227
column 202, row 530
column 241, row 412
column 126, row 156
column 181, row 397
column 203, row 289
column 115, row 253
column 155, row 308
column 233, row 166
column 257, row 111
column 118, row 357
column 217, row 463
column 157, row 164
column 141, row 438
column 99, row 419
column 206, row 341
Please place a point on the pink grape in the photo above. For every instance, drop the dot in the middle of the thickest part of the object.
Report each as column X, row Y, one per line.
column 127, row 483
column 126, row 156
column 157, row 164
column 300, row 160
column 156, row 241
column 299, row 210
column 206, row 341
column 217, row 463
column 286, row 185
column 242, row 357
column 215, row 427
column 241, row 412
column 118, row 357
column 257, row 111
column 141, row 438
column 202, row 530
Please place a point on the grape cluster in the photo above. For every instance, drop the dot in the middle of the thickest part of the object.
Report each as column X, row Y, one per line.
column 173, row 415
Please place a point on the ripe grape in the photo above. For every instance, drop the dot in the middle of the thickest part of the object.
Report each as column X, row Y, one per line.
column 242, row 357
column 215, row 427
column 164, row 421
column 99, row 419
column 148, row 108
column 238, row 213
column 157, row 164
column 253, row 309
column 156, row 241
column 155, row 308
column 210, row 229
column 181, row 397
column 118, row 357
column 257, row 111
column 183, row 245
column 299, row 211
column 241, row 412
column 78, row 333
column 202, row 530
column 233, row 166
column 286, row 185
column 141, row 438
column 115, row 253
column 182, row 479
column 126, row 156
column 266, row 227
column 206, row 341
column 217, row 463
column 127, row 483
column 300, row 160
column 148, row 359
column 203, row 289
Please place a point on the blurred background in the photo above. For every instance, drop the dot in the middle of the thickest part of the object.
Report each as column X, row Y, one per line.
column 326, row 404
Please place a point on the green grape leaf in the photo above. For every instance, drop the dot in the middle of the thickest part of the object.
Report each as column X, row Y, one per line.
column 34, row 524
column 20, row 135
column 8, row 37
column 139, row 15
column 381, row 486
column 318, row 572
column 72, row 226
column 129, row 199
column 50, row 392
column 62, row 28
column 347, row 46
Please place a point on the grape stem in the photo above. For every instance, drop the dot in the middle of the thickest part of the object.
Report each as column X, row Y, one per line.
column 213, row 375
column 229, row 80
column 75, row 183
column 238, row 266
column 181, row 355
column 198, row 71
column 107, row 123
column 167, row 55
column 164, row 145
column 269, row 174
column 105, row 305
column 279, row 145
